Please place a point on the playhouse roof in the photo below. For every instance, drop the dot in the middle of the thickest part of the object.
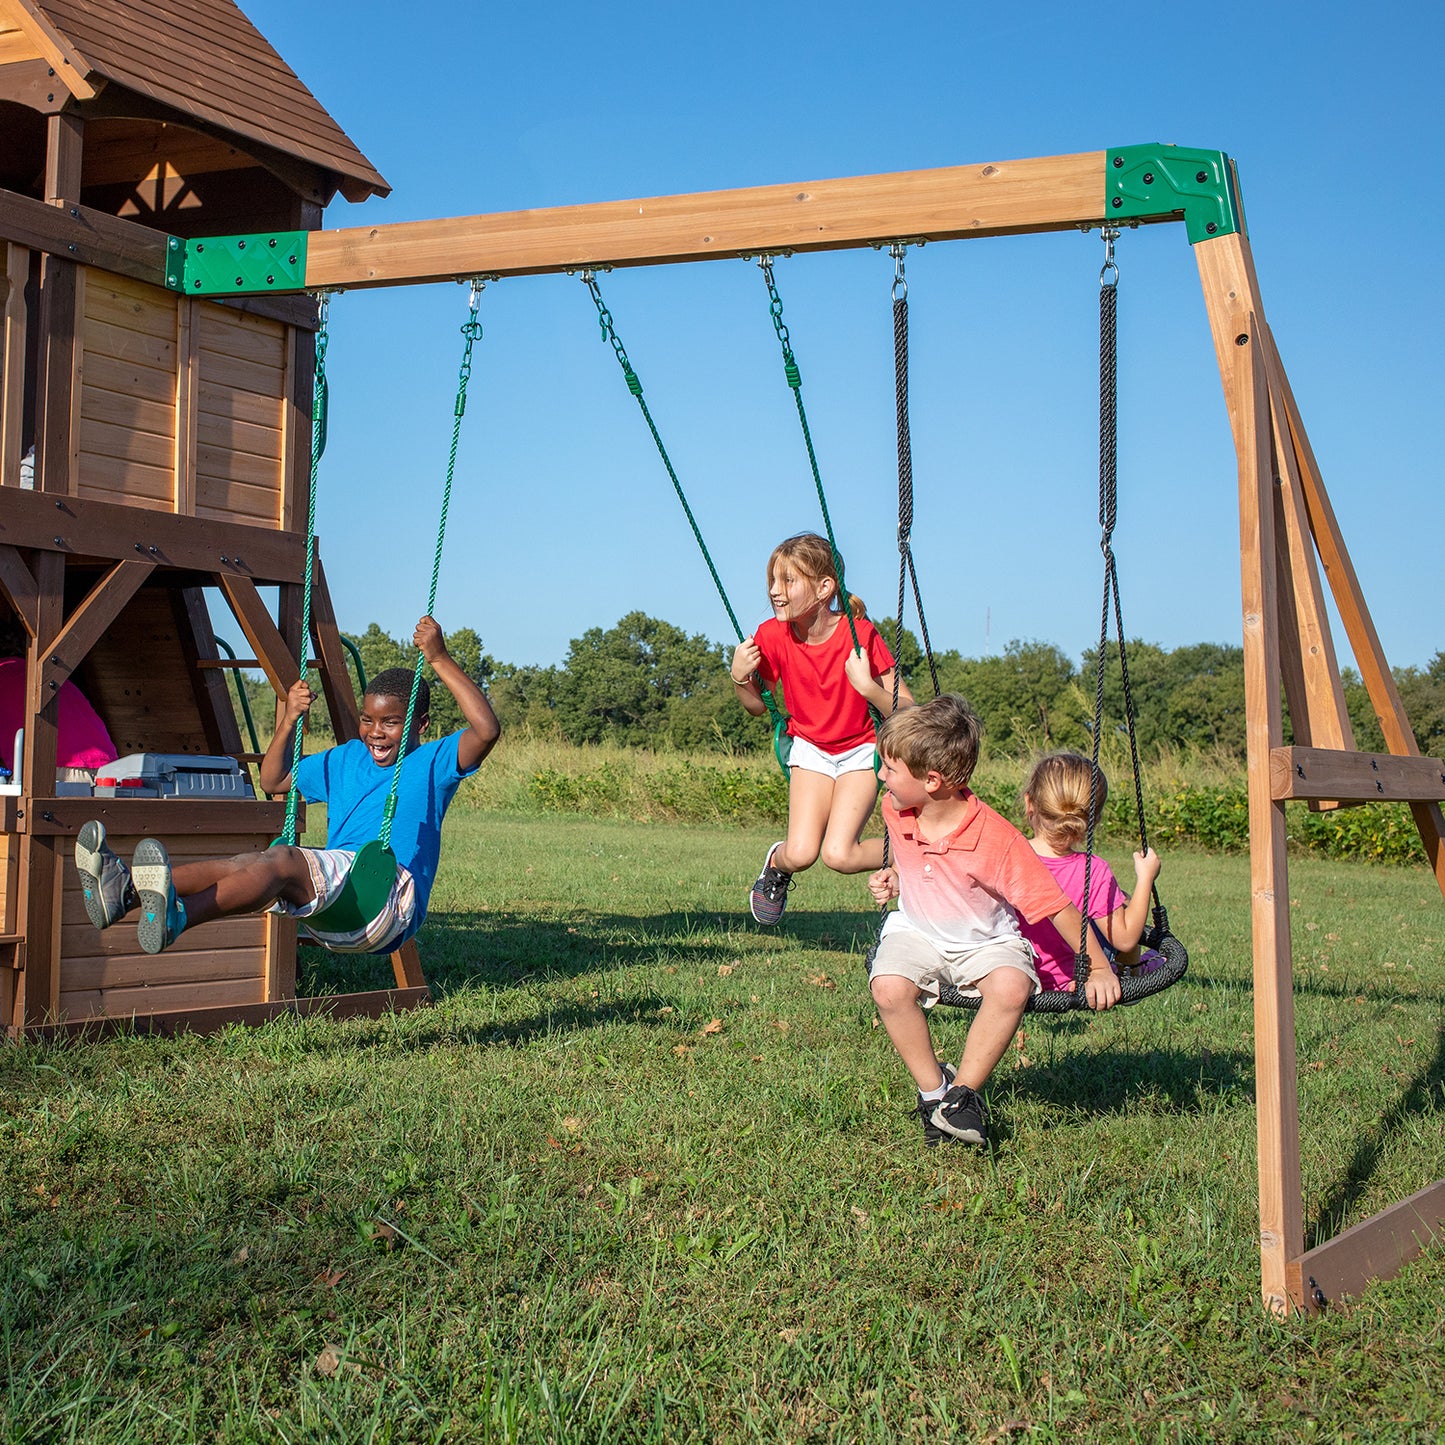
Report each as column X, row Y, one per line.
column 202, row 58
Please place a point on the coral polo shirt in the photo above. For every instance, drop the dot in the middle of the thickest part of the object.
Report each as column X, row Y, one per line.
column 966, row 890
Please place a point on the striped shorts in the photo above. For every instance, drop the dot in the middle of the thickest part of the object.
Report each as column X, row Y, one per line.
column 329, row 868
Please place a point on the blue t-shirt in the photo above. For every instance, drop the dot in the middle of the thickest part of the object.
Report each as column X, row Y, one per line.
column 354, row 789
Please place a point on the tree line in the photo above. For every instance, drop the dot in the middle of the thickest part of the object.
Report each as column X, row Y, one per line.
column 646, row 683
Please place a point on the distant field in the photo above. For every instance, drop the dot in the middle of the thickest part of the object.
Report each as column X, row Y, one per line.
column 648, row 1173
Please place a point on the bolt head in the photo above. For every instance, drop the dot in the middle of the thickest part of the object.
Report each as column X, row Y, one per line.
column 1212, row 227
column 1118, row 162
column 1148, row 178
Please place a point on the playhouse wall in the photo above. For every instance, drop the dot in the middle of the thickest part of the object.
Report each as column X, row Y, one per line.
column 183, row 404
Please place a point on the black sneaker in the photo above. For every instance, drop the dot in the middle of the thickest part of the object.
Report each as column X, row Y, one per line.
column 962, row 1114
column 770, row 893
column 933, row 1136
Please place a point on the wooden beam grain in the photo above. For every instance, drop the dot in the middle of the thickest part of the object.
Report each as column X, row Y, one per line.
column 1050, row 193
column 1302, row 773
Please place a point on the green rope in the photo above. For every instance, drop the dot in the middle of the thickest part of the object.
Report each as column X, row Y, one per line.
column 634, row 385
column 318, row 445
column 795, row 383
column 471, row 331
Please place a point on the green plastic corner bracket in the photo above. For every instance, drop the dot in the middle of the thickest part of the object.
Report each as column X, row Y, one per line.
column 237, row 265
column 1146, row 182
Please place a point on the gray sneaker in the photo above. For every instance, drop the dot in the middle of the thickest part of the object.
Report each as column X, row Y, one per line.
column 769, row 895
column 105, row 882
column 162, row 915
column 962, row 1114
column 933, row 1136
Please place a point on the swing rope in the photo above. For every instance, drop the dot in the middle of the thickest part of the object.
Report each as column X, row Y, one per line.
column 634, row 385
column 319, row 397
column 795, row 383
column 1135, row 987
column 471, row 331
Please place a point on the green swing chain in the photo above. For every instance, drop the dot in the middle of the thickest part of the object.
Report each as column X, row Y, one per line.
column 795, row 382
column 472, row 331
column 318, row 445
column 634, row 385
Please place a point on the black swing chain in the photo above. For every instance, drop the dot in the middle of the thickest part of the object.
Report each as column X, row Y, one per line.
column 906, row 568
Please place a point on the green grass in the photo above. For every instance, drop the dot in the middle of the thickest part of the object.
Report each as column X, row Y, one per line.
column 648, row 1173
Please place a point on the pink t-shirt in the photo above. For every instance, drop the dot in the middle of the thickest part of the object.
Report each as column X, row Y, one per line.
column 972, row 887
column 1055, row 953
column 822, row 704
column 83, row 740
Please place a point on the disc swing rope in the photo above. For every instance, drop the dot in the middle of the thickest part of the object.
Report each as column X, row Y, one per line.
column 634, row 385
column 373, row 871
column 1134, row 985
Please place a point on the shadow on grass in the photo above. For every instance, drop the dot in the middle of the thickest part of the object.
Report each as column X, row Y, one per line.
column 506, row 949
column 1420, row 1096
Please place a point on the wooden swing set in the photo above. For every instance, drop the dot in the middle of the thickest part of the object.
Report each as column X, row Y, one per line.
column 118, row 333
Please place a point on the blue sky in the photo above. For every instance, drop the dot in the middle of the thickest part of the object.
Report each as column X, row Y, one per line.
column 563, row 518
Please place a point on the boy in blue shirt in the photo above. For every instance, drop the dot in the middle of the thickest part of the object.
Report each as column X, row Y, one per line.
column 353, row 780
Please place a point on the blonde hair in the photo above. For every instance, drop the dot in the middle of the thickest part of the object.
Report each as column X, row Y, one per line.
column 1058, row 792
column 942, row 736
column 812, row 555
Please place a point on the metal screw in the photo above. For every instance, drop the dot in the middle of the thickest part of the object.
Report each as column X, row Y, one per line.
column 200, row 246
column 75, row 213
column 55, row 662
column 224, row 559
column 239, row 281
column 1148, row 178
column 197, row 285
column 291, row 260
column 270, row 280
column 1241, row 340
column 240, row 245
column 238, row 561
column 154, row 551
column 1212, row 227
column 1201, row 176
column 272, row 243
column 1117, row 202
column 1118, row 162
column 59, row 541
column 54, row 686
column 60, row 506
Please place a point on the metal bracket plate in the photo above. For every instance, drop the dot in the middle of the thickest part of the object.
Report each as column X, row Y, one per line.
column 237, row 265
column 1146, row 182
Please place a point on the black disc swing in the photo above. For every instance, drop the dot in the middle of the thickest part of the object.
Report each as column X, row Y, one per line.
column 1139, row 982
column 372, row 874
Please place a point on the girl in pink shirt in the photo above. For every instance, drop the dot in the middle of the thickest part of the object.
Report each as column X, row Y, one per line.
column 828, row 685
column 1056, row 807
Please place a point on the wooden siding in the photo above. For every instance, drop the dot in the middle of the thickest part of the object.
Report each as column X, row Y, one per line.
column 182, row 404
column 239, row 433
column 127, row 449
column 107, row 974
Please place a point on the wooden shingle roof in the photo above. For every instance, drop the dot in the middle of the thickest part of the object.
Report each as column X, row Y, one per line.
column 204, row 59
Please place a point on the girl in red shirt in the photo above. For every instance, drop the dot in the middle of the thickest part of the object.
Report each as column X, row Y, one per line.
column 828, row 685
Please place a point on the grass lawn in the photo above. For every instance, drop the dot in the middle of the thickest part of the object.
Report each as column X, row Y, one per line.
column 648, row 1173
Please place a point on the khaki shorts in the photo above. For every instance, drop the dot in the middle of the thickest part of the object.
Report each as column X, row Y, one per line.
column 904, row 952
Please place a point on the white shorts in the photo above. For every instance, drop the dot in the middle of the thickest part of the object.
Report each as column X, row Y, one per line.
column 812, row 759
column 904, row 952
column 329, row 868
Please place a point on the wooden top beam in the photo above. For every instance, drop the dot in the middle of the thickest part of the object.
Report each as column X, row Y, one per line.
column 1051, row 193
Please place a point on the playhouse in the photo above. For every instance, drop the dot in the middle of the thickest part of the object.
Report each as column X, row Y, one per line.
column 162, row 182
column 152, row 445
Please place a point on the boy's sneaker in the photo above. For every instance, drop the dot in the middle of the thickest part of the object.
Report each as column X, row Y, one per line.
column 770, row 893
column 962, row 1114
column 162, row 917
column 933, row 1136
column 105, row 882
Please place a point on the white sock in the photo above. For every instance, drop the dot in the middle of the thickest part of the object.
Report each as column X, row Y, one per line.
column 932, row 1095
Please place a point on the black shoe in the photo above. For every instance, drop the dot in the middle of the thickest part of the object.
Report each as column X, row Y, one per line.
column 962, row 1114
column 933, row 1136
column 770, row 893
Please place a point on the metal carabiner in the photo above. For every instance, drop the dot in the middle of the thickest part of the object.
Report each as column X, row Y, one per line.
column 900, row 284
column 1110, row 236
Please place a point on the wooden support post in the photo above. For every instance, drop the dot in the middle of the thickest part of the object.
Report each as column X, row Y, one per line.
column 89, row 622
column 12, row 362
column 57, row 399
column 1226, row 272
column 211, row 688
column 341, row 699
column 1359, row 626
column 40, row 853
column 17, row 583
column 277, row 660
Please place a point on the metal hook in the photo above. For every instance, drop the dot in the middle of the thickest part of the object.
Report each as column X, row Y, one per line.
column 900, row 285
column 1110, row 234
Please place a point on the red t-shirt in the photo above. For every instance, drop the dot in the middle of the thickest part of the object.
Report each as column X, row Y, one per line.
column 822, row 705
